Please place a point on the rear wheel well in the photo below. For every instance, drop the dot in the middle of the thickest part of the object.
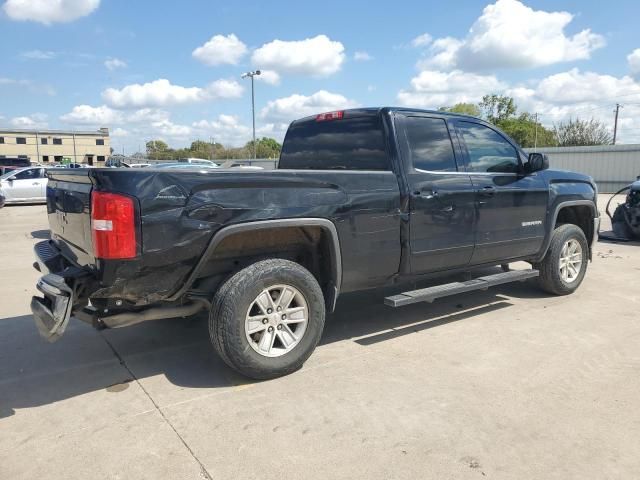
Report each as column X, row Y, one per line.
column 579, row 215
column 309, row 246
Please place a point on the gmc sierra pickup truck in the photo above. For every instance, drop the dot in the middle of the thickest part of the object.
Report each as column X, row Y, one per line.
column 362, row 198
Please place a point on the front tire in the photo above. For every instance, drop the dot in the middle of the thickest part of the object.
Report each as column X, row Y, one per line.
column 565, row 264
column 266, row 320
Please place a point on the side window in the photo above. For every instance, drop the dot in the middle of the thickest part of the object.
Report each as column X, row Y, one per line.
column 488, row 150
column 428, row 145
column 27, row 174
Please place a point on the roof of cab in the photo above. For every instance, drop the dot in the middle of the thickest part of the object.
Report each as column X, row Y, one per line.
column 373, row 111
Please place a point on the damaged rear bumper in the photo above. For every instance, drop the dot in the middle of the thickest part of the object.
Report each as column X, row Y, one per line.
column 53, row 311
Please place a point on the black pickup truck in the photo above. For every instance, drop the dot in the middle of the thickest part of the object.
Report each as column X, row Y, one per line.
column 362, row 198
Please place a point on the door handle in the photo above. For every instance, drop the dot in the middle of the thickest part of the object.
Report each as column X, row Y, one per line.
column 488, row 191
column 35, row 183
column 447, row 209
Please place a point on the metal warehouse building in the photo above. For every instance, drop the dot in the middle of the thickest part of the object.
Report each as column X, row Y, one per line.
column 54, row 146
column 612, row 166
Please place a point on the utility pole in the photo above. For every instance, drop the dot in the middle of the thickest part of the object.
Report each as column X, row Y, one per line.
column 253, row 107
column 75, row 156
column 535, row 141
column 615, row 122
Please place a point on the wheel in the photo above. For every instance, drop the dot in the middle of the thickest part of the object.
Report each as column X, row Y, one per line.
column 266, row 320
column 565, row 263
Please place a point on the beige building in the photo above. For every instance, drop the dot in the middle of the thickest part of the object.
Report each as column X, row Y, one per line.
column 56, row 146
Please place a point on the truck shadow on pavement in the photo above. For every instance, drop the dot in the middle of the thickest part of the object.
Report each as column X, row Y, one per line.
column 35, row 373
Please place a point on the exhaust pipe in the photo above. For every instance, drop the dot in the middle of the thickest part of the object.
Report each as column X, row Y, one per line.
column 156, row 313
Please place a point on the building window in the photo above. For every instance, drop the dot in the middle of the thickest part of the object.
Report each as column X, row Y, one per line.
column 44, row 141
column 58, row 158
column 21, row 140
column 45, row 158
column 1, row 139
column 99, row 141
column 57, row 141
column 101, row 158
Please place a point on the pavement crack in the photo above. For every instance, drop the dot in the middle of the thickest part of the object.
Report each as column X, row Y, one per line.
column 203, row 470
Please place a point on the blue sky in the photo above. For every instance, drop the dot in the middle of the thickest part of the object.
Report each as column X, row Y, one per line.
column 172, row 71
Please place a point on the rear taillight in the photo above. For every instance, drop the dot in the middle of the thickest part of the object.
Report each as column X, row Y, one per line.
column 113, row 226
column 323, row 117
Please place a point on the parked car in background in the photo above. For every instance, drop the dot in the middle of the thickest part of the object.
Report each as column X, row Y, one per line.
column 1, row 200
column 24, row 185
column 185, row 166
column 197, row 161
column 15, row 162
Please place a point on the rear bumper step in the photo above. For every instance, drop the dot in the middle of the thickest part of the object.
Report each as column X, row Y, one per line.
column 482, row 283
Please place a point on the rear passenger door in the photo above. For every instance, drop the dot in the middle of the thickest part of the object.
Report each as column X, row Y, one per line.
column 511, row 206
column 442, row 198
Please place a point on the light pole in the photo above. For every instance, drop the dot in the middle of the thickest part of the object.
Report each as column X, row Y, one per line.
column 253, row 106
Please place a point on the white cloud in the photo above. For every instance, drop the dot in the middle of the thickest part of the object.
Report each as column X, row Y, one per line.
column 36, row 120
column 36, row 88
column 114, row 63
column 509, row 34
column 421, row 40
column 88, row 115
column 220, row 49
column 39, row 55
column 119, row 132
column 161, row 92
column 578, row 87
column 104, row 116
column 318, row 56
column 634, row 61
column 226, row 129
column 169, row 129
column 49, row 11
column 297, row 106
column 362, row 57
column 435, row 89
column 268, row 76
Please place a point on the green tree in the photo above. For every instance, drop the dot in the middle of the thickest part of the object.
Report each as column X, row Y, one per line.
column 527, row 132
column 158, row 150
column 495, row 108
column 265, row 148
column 581, row 133
column 463, row 108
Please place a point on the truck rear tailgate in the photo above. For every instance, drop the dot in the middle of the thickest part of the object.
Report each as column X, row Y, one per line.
column 69, row 212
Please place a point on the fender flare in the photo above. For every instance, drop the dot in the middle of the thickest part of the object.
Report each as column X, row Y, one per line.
column 223, row 233
column 554, row 217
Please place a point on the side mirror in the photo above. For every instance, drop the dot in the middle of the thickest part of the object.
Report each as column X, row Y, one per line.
column 536, row 162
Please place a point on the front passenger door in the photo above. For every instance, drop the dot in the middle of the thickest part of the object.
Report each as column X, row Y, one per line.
column 442, row 198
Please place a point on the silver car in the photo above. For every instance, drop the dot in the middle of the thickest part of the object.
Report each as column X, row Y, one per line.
column 24, row 185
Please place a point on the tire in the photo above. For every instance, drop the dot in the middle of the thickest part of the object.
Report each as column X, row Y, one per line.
column 241, row 298
column 552, row 279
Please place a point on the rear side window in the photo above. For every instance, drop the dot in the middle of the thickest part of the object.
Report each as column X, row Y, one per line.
column 341, row 144
column 428, row 145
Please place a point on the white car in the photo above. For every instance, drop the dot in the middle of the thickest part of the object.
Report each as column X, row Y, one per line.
column 24, row 185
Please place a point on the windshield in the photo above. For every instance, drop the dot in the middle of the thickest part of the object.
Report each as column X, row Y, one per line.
column 10, row 173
